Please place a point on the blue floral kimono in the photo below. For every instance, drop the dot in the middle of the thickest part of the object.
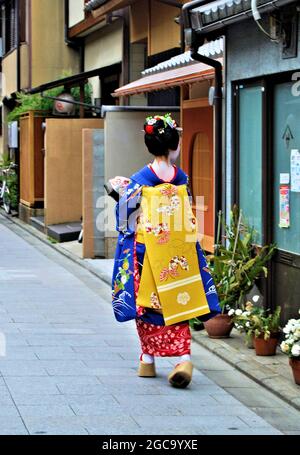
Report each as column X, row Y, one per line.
column 123, row 290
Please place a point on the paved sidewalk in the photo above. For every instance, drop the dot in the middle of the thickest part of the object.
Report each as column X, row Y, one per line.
column 273, row 372
column 71, row 369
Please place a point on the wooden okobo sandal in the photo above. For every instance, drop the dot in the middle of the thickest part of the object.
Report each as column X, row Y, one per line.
column 146, row 370
column 181, row 376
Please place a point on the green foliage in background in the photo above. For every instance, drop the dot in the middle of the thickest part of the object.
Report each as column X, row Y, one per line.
column 236, row 266
column 37, row 103
column 11, row 180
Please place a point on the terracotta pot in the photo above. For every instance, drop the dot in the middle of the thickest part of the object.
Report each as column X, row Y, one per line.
column 266, row 347
column 219, row 326
column 295, row 364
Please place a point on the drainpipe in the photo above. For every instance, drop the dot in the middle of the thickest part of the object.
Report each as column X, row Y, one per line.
column 123, row 15
column 195, row 43
column 77, row 44
column 17, row 21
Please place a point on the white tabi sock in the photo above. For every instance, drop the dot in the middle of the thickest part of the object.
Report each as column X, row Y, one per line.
column 147, row 358
column 185, row 358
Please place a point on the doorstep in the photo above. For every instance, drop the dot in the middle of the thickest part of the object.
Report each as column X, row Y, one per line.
column 273, row 372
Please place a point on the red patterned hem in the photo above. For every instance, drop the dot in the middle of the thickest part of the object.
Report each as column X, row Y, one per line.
column 164, row 341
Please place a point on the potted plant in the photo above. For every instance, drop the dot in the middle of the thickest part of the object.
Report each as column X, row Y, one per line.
column 243, row 320
column 235, row 267
column 265, row 328
column 291, row 346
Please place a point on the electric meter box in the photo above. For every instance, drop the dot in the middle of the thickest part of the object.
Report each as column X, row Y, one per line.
column 13, row 135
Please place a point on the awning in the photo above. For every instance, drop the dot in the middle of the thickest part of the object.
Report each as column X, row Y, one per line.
column 213, row 49
column 167, row 79
column 216, row 15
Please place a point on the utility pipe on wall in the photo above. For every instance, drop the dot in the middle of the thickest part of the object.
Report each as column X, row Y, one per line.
column 77, row 44
column 196, row 42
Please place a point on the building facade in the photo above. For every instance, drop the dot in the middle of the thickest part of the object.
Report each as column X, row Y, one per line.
column 262, row 142
column 34, row 48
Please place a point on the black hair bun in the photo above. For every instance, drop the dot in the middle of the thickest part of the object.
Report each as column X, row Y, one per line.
column 160, row 138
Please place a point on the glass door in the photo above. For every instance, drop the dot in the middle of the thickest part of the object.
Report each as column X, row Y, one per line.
column 286, row 199
column 287, row 168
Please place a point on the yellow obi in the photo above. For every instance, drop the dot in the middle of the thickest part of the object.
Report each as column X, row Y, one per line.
column 171, row 279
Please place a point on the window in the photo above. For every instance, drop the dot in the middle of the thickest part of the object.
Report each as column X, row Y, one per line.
column 11, row 19
column 9, row 25
column 249, row 155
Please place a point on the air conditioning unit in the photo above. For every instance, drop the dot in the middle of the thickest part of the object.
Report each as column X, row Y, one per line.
column 13, row 135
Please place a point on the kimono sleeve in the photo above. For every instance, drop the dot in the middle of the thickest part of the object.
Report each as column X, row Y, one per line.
column 126, row 208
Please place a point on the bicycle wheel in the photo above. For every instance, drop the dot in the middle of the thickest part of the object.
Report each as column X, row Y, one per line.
column 6, row 201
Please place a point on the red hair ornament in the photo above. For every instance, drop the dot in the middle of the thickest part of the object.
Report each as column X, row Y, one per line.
column 149, row 129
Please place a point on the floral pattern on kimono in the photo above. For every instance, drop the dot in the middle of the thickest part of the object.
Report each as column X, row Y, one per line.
column 126, row 276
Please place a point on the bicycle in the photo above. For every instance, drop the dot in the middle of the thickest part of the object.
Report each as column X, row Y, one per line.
column 5, row 198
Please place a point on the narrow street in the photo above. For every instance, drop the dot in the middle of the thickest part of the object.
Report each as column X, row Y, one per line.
column 70, row 368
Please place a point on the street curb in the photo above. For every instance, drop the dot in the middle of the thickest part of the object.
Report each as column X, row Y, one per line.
column 43, row 238
column 261, row 374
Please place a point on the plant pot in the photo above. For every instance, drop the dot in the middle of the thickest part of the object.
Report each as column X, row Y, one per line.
column 266, row 347
column 219, row 326
column 295, row 365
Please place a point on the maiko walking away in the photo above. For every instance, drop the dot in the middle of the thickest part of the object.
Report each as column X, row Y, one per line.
column 160, row 276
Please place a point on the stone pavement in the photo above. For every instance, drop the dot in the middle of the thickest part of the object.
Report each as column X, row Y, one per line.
column 274, row 372
column 70, row 368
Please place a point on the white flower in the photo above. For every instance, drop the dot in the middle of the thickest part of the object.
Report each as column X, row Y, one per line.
column 248, row 324
column 255, row 298
column 289, row 341
column 297, row 333
column 246, row 313
column 183, row 298
column 284, row 347
column 238, row 312
column 231, row 312
column 296, row 350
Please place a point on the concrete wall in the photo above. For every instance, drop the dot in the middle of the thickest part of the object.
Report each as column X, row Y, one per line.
column 9, row 77
column 25, row 51
column 93, row 193
column 125, row 154
column 249, row 53
column 103, row 48
column 76, row 12
column 137, row 65
column 9, row 70
column 50, row 55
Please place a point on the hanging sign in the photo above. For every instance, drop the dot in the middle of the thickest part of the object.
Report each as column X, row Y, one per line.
column 295, row 170
column 284, row 206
